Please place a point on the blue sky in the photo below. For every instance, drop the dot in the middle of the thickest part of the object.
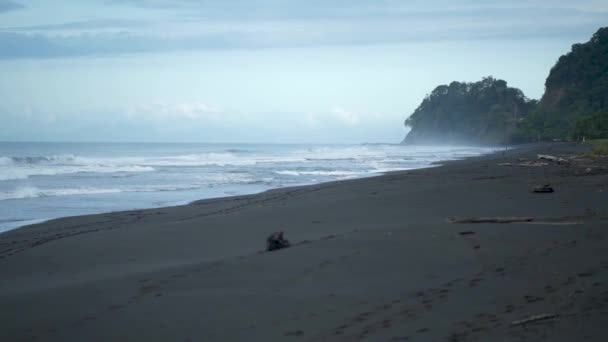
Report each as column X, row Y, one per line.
column 262, row 71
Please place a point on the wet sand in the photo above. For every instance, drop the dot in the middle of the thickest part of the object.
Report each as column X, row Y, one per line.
column 377, row 259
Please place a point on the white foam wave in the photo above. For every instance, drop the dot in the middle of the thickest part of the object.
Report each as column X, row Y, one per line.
column 54, row 159
column 218, row 159
column 5, row 161
column 202, row 159
column 33, row 192
column 201, row 182
column 336, row 173
column 385, row 151
column 13, row 168
column 24, row 172
column 377, row 158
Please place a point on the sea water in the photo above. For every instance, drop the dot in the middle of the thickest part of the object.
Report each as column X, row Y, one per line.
column 41, row 181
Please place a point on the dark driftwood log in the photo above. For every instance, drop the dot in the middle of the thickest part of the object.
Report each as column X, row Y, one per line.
column 534, row 319
column 553, row 159
column 489, row 219
column 543, row 189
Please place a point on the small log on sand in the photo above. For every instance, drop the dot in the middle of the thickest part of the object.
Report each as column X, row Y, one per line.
column 553, row 158
column 489, row 219
column 534, row 319
column 555, row 221
column 543, row 189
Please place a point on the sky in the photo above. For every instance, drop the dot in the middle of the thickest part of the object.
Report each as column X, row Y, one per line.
column 265, row 71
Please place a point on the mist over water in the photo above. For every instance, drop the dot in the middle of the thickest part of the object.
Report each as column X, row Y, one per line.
column 40, row 181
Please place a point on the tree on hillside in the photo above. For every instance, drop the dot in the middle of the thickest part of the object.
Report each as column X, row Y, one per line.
column 576, row 92
column 484, row 112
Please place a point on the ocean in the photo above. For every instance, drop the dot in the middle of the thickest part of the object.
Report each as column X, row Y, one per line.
column 42, row 181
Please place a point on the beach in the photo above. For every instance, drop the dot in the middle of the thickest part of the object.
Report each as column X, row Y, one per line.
column 407, row 256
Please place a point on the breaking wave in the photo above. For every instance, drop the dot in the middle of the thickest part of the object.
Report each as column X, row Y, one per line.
column 42, row 181
column 194, row 183
column 23, row 167
column 33, row 192
column 336, row 173
column 14, row 173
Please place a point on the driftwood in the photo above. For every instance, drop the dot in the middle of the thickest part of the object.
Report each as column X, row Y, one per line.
column 544, row 189
column 552, row 158
column 547, row 157
column 554, row 221
column 533, row 164
column 534, row 319
column 489, row 219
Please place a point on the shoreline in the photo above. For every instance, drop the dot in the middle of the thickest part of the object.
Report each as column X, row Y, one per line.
column 379, row 174
column 375, row 258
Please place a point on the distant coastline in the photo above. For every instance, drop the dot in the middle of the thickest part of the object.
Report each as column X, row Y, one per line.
column 574, row 106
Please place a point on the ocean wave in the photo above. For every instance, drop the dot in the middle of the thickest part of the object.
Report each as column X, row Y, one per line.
column 5, row 161
column 55, row 159
column 204, row 159
column 323, row 153
column 34, row 192
column 233, row 158
column 14, row 173
column 364, row 152
column 335, row 173
column 377, row 158
column 208, row 181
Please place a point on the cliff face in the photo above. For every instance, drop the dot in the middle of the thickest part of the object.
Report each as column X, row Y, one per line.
column 481, row 113
column 580, row 78
column 576, row 90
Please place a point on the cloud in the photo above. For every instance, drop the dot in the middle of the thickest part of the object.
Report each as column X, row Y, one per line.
column 147, row 3
column 8, row 5
column 34, row 44
column 96, row 24
column 311, row 119
column 347, row 117
column 183, row 25
column 352, row 9
column 37, row 45
column 161, row 110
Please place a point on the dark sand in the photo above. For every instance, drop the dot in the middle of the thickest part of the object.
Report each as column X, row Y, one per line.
column 376, row 259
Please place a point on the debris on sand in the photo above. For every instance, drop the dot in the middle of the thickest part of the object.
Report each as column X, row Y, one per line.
column 490, row 219
column 555, row 221
column 543, row 189
column 553, row 159
column 533, row 164
column 527, row 163
column 534, row 319
column 276, row 241
column 547, row 157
